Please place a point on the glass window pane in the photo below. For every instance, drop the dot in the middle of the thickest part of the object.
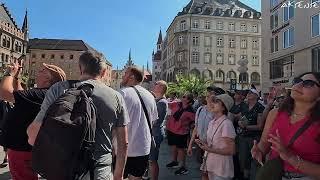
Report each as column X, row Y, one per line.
column 291, row 11
column 285, row 14
column 315, row 25
column 291, row 36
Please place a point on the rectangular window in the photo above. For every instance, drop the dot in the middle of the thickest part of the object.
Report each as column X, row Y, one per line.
column 207, row 58
column 61, row 56
column 243, row 27
column 282, row 68
column 316, row 59
column 34, row 56
column 255, row 44
column 288, row 12
column 274, row 20
column 220, row 25
column 232, row 43
column 195, row 24
column 276, row 44
column 255, row 28
column 243, row 44
column 220, row 42
column 180, row 41
column 207, row 25
column 288, row 38
column 52, row 56
column 273, row 3
column 232, row 59
column 183, row 25
column 195, row 57
column 180, row 57
column 255, row 61
column 4, row 41
column 195, row 40
column 71, row 56
column 219, row 58
column 207, row 41
column 315, row 25
column 43, row 56
column 231, row 26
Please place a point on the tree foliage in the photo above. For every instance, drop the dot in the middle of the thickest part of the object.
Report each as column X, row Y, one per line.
column 188, row 83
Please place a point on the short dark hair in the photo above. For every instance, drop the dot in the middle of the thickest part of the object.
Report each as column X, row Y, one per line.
column 138, row 75
column 92, row 65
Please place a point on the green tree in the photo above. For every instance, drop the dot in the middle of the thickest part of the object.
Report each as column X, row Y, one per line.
column 188, row 83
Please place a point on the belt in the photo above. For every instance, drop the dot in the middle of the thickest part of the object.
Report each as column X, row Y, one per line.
column 291, row 175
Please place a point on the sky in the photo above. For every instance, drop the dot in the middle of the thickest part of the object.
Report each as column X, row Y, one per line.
column 113, row 27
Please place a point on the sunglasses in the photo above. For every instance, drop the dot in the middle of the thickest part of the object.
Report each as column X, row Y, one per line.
column 305, row 83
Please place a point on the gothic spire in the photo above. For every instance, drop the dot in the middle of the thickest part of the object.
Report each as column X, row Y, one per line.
column 25, row 26
column 130, row 63
column 160, row 38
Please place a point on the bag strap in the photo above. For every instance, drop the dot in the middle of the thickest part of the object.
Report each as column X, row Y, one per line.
column 206, row 156
column 73, row 83
column 144, row 109
column 300, row 131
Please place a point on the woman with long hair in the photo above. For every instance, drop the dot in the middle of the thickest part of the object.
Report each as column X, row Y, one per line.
column 302, row 158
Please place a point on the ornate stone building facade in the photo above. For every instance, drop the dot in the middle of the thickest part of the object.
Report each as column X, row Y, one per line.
column 208, row 38
column 60, row 52
column 13, row 40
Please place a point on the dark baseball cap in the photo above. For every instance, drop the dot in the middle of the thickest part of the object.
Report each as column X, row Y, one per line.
column 217, row 91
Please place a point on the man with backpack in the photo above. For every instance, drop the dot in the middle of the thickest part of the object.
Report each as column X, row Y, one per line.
column 26, row 106
column 142, row 113
column 110, row 114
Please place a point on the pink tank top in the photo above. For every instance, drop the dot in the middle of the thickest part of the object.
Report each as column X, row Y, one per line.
column 307, row 146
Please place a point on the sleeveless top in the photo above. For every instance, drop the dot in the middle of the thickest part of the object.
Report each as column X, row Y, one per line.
column 307, row 146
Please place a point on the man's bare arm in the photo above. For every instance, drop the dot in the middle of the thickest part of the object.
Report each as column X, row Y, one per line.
column 122, row 151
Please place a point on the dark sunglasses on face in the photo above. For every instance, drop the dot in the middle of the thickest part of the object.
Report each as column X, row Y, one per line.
column 305, row 83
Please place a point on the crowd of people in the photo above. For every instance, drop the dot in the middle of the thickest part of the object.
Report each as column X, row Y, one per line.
column 232, row 134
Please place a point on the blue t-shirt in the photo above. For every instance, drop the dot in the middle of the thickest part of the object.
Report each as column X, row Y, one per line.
column 203, row 117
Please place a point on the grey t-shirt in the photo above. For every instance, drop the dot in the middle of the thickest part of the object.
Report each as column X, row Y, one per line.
column 162, row 107
column 111, row 112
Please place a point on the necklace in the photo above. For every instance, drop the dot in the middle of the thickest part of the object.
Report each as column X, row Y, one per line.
column 295, row 115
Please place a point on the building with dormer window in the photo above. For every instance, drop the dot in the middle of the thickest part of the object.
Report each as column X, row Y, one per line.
column 208, row 38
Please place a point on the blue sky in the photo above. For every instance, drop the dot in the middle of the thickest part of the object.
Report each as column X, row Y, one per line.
column 110, row 26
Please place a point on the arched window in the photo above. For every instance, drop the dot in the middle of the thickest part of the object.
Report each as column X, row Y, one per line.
column 244, row 78
column 207, row 74
column 231, row 75
column 255, row 78
column 219, row 76
column 195, row 72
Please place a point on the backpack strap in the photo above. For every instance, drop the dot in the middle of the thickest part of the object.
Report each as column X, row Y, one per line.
column 144, row 109
column 73, row 83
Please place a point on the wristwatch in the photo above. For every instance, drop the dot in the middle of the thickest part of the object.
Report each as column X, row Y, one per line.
column 7, row 74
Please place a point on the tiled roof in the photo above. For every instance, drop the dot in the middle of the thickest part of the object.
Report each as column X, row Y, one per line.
column 6, row 16
column 63, row 44
column 225, row 8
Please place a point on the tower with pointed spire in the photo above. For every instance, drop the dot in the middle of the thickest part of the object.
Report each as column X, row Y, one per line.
column 25, row 27
column 159, row 43
column 156, row 59
column 129, row 62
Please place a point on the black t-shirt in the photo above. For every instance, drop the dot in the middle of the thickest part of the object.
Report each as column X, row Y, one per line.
column 252, row 116
column 26, row 107
column 242, row 108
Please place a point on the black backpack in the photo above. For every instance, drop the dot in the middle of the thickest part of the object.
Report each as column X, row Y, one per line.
column 64, row 147
column 5, row 108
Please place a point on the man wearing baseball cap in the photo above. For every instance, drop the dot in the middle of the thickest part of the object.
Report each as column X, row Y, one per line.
column 26, row 106
column 251, row 126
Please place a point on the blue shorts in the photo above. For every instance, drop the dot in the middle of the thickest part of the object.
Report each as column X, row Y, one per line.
column 154, row 152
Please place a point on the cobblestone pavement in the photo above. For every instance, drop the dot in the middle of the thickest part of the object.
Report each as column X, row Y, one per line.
column 165, row 174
